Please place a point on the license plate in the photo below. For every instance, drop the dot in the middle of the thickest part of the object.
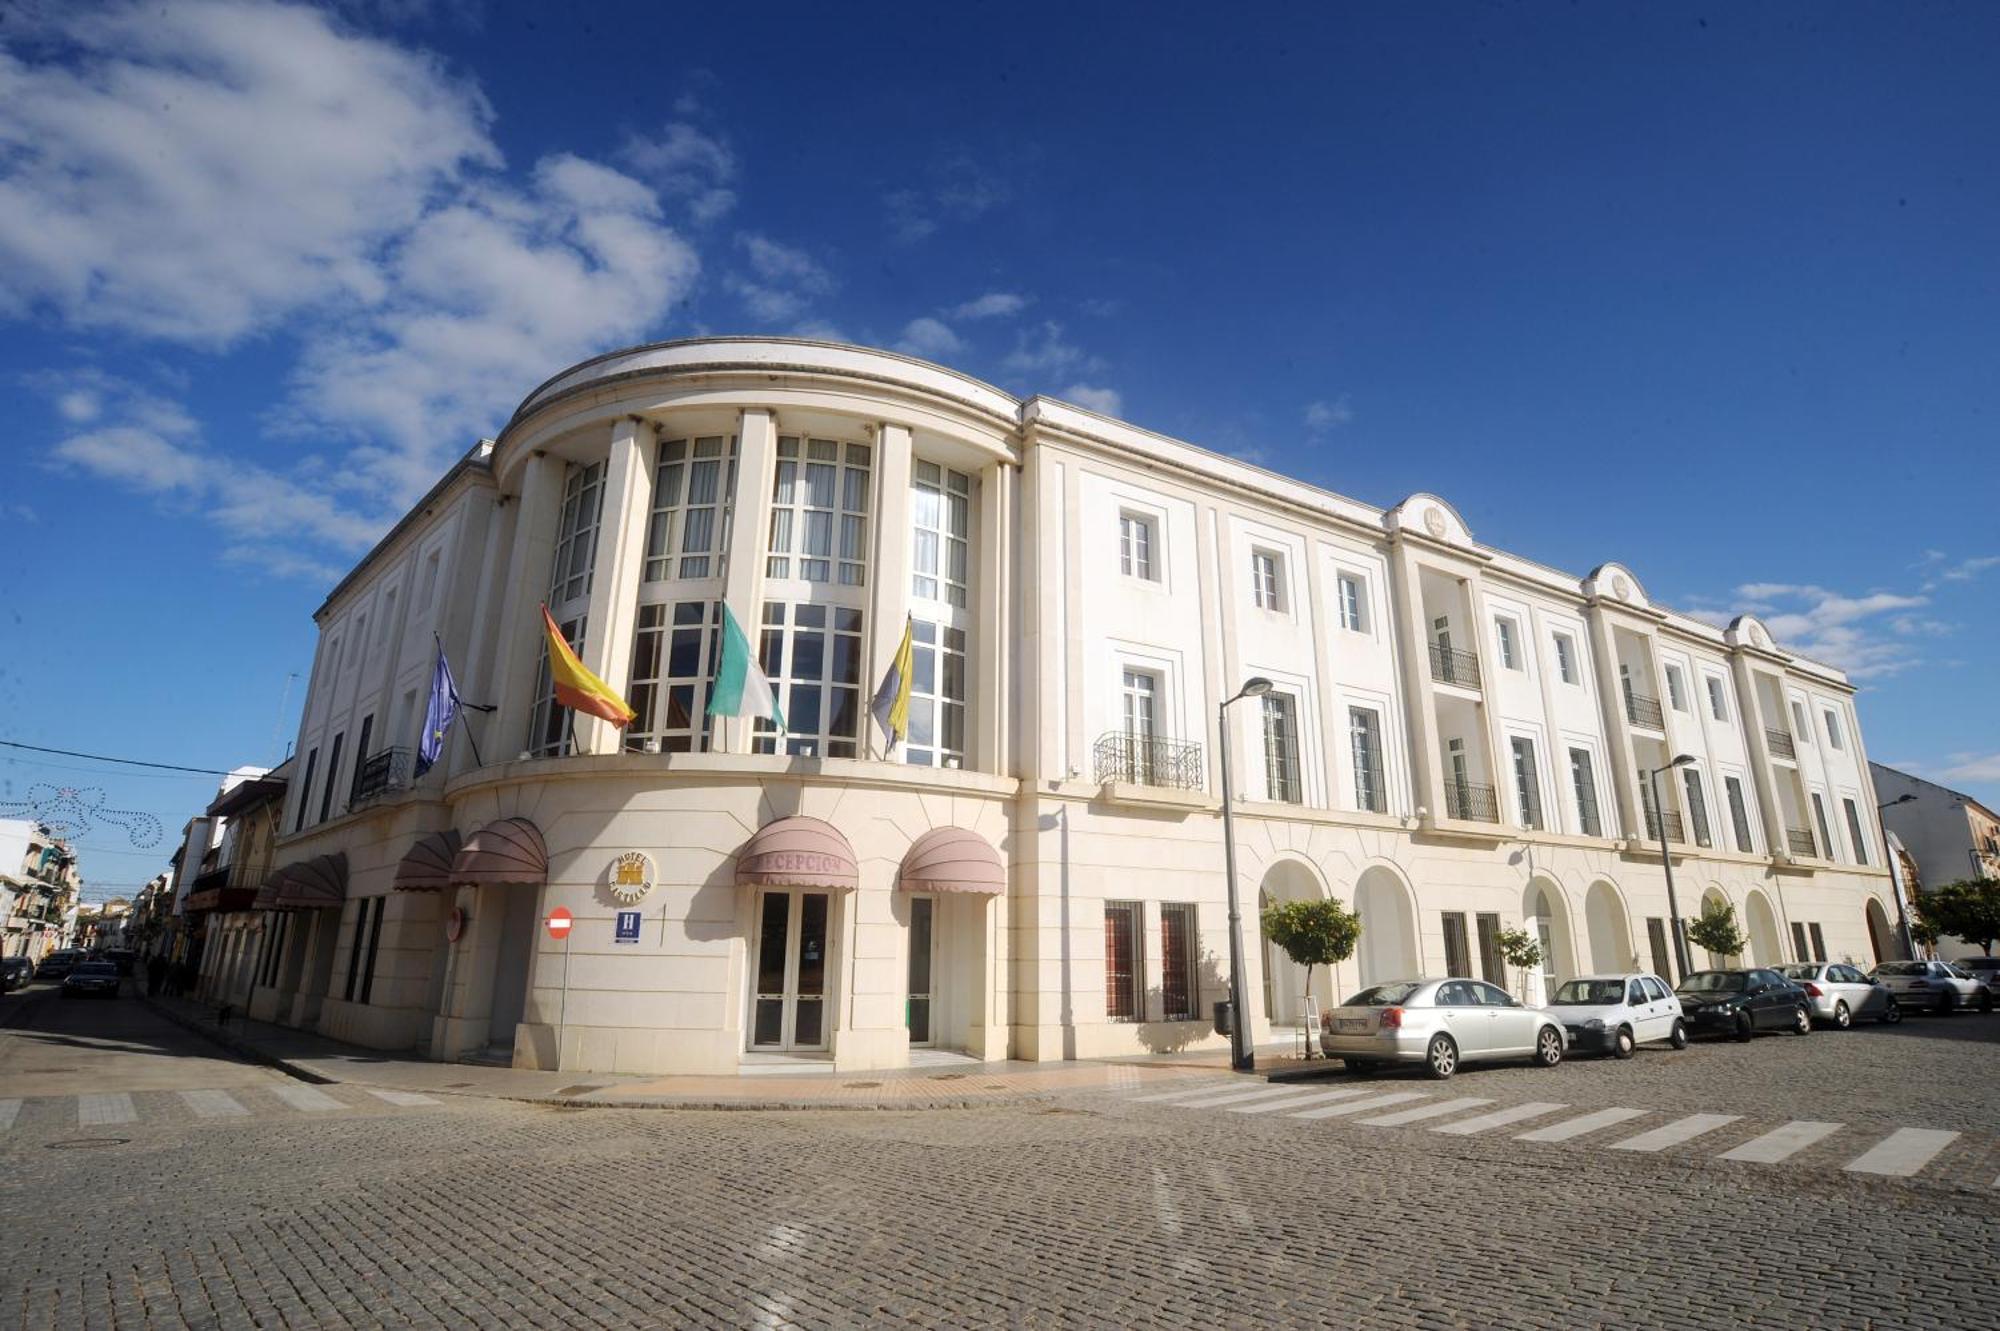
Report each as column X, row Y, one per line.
column 1351, row 1024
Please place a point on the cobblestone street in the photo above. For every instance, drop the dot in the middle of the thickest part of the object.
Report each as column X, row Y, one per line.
column 1103, row 1208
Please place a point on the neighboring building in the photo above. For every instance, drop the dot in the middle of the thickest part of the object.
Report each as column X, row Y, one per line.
column 1456, row 743
column 1950, row 835
column 235, row 937
column 102, row 924
column 38, row 888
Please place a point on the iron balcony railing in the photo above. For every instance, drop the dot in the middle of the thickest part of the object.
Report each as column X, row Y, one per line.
column 1470, row 803
column 1801, row 842
column 385, row 771
column 1146, row 760
column 1675, row 830
column 1643, row 711
column 1451, row 666
column 1782, row 745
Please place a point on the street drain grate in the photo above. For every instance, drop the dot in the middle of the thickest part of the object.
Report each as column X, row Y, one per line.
column 584, row 1089
column 86, row 1143
column 947, row 1076
column 860, row 1085
column 456, row 1085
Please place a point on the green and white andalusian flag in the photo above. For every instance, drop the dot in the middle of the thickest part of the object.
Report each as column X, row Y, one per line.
column 741, row 688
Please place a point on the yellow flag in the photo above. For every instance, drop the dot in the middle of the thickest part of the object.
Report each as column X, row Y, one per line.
column 576, row 686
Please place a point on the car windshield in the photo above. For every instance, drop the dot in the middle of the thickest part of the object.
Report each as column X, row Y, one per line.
column 1712, row 982
column 1798, row 972
column 97, row 968
column 1904, row 968
column 1383, row 995
column 1579, row 993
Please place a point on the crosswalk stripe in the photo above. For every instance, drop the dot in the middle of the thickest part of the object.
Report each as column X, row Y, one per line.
column 1676, row 1132
column 214, row 1104
column 400, row 1097
column 1203, row 1089
column 1576, row 1127
column 95, row 1111
column 1422, row 1112
column 9, row 1111
column 306, row 1098
column 1500, row 1118
column 1239, row 1095
column 1782, row 1143
column 1300, row 1102
column 1901, row 1153
column 1358, row 1106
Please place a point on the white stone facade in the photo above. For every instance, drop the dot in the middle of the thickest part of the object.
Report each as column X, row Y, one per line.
column 1453, row 745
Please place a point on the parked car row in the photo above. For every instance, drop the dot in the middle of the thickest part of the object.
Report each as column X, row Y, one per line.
column 1441, row 1025
column 81, row 972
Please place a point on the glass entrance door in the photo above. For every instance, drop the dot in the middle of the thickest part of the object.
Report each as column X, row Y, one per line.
column 789, row 1005
column 923, row 912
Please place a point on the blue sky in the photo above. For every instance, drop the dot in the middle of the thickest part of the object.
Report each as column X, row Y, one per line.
column 1707, row 290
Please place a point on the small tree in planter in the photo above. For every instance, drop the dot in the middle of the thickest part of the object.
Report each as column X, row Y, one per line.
column 1716, row 930
column 1312, row 933
column 1521, row 949
column 1925, row 935
column 1968, row 910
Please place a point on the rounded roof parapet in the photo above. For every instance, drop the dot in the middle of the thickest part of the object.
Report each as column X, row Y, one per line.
column 1431, row 516
column 1748, row 631
column 1615, row 582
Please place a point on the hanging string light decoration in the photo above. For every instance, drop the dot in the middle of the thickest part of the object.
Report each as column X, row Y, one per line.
column 74, row 812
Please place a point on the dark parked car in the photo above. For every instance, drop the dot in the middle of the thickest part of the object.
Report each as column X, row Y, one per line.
column 124, row 958
column 92, row 979
column 15, row 972
column 59, row 963
column 1740, row 1003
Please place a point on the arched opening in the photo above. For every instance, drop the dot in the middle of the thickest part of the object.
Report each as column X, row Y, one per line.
column 1609, row 929
column 1284, row 980
column 1761, row 923
column 1388, row 948
column 1547, row 915
column 1713, row 960
column 1879, row 936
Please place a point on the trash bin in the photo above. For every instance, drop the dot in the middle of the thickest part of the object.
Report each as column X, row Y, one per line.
column 1225, row 1017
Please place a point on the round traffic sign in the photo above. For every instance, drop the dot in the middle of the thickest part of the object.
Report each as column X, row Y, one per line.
column 559, row 923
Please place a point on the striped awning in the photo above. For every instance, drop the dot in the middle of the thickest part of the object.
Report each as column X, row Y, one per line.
column 314, row 884
column 797, row 852
column 427, row 865
column 508, row 852
column 951, row 859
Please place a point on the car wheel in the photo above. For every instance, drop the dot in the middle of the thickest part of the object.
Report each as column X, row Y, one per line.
column 1441, row 1059
column 1893, row 1013
column 1623, row 1045
column 1549, row 1047
column 1842, row 1018
column 1744, row 1030
column 1680, row 1035
column 1985, row 1001
column 1946, row 1002
column 1802, row 1023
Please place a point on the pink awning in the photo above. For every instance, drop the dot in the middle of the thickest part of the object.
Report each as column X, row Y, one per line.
column 509, row 852
column 314, row 884
column 797, row 852
column 951, row 859
column 426, row 866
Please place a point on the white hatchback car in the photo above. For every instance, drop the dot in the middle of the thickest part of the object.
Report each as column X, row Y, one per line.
column 1615, row 1014
column 1933, row 986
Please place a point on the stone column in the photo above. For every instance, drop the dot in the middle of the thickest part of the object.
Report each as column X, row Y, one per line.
column 990, row 662
column 743, row 567
column 614, row 582
column 1617, row 727
column 1419, row 699
column 1750, row 707
column 521, row 633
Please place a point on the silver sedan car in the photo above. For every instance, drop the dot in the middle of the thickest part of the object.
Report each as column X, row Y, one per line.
column 1933, row 986
column 1439, row 1024
column 1841, row 995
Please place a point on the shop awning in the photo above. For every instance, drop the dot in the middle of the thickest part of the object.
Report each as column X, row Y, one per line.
column 427, row 865
column 510, row 852
column 797, row 852
column 951, row 859
column 314, row 884
column 222, row 899
column 267, row 895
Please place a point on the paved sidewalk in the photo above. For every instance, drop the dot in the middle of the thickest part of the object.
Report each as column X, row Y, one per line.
column 315, row 1058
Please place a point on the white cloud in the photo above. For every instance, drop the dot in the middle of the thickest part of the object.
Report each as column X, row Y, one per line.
column 1968, row 569
column 1325, row 417
column 1044, row 350
column 682, row 162
column 1105, row 401
column 79, row 407
column 992, row 305
column 1972, row 767
column 959, row 188
column 278, row 562
column 783, row 280
column 1845, row 631
column 929, row 338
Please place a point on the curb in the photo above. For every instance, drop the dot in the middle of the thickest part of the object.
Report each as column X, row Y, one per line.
column 221, row 1039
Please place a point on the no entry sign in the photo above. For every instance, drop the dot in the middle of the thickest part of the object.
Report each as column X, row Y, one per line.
column 559, row 923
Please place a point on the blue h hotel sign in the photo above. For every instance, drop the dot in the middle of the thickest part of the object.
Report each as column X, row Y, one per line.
column 628, row 927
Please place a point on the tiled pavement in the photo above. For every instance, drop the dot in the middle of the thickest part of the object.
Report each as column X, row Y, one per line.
column 40, row 1115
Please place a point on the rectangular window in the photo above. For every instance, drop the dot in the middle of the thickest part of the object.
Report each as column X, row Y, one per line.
column 1121, row 960
column 1527, row 782
column 1656, row 940
column 674, row 649
column 1718, row 698
column 1800, row 726
column 1510, row 655
column 374, row 948
column 1457, row 957
column 1832, row 727
column 1819, row 816
column 1566, row 658
column 305, row 790
column 937, row 696
column 576, row 535
column 1739, row 813
column 1697, row 806
column 388, row 624
column 361, row 755
column 1676, row 689
column 1281, row 748
column 1364, row 730
column 812, row 654
column 354, row 943
column 1353, row 603
column 549, row 728
column 360, row 641
column 1854, row 838
column 1583, row 774
column 819, row 511
column 1490, row 964
column 332, row 778
column 1135, row 546
column 1818, row 942
column 1267, row 579
column 1801, row 949
column 941, row 532
column 430, row 579
column 688, row 531
column 1180, row 998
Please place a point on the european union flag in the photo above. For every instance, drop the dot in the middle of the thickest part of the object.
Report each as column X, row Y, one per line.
column 439, row 713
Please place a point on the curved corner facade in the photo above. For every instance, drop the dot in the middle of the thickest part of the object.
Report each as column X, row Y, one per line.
column 1458, row 741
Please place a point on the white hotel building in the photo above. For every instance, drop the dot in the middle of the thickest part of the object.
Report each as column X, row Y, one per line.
column 1455, row 745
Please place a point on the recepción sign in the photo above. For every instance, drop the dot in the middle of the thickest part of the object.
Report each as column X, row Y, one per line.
column 627, row 928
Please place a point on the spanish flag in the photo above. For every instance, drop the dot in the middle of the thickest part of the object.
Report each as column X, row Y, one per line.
column 891, row 707
column 576, row 686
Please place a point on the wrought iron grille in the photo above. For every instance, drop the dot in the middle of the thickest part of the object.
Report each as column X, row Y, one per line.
column 1451, row 666
column 1471, row 803
column 1801, row 842
column 386, row 770
column 1781, row 743
column 1676, row 831
column 1146, row 760
column 1643, row 711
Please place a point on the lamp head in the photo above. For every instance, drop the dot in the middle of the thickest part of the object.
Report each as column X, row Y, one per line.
column 1254, row 687
column 1683, row 760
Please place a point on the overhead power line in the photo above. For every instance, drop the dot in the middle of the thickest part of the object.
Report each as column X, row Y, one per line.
column 107, row 758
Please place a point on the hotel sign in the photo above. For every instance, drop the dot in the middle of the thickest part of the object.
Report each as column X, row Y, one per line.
column 632, row 877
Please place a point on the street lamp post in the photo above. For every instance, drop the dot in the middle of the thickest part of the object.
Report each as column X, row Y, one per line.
column 1667, row 863
column 1240, row 1055
column 1896, row 875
